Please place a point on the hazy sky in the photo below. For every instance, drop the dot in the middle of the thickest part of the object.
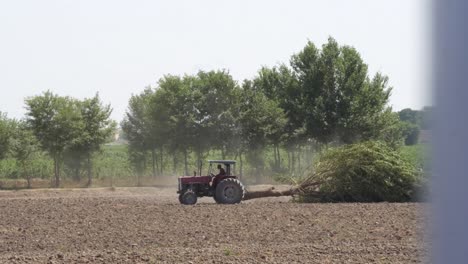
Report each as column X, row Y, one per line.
column 116, row 48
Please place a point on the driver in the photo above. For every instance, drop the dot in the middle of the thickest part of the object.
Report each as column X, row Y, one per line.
column 222, row 172
column 217, row 177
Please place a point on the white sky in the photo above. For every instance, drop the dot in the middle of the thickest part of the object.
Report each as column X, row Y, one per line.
column 116, row 48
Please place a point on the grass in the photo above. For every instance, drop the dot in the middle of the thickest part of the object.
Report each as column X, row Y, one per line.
column 418, row 155
column 112, row 167
column 227, row 252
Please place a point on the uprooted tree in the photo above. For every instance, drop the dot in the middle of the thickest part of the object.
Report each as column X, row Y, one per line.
column 363, row 172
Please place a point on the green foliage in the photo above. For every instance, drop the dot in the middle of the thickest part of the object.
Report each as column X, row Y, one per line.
column 261, row 119
column 38, row 166
column 9, row 168
column 112, row 161
column 207, row 111
column 418, row 156
column 364, row 172
column 139, row 127
column 66, row 127
column 23, row 143
column 410, row 133
column 95, row 129
column 281, row 85
column 24, row 147
column 340, row 102
column 410, row 116
column 54, row 120
column 413, row 122
column 7, row 128
column 325, row 97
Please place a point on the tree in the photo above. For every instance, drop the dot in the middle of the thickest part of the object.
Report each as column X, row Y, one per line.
column 215, row 100
column 369, row 171
column 7, row 127
column 411, row 116
column 364, row 172
column 137, row 126
column 55, row 121
column 24, row 146
column 262, row 121
column 410, row 133
column 96, row 129
column 413, row 122
column 171, row 114
column 341, row 103
column 281, row 85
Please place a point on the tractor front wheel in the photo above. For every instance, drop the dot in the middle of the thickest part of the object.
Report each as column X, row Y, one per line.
column 188, row 197
column 229, row 191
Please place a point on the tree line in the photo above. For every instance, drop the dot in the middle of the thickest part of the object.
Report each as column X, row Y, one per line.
column 67, row 129
column 324, row 96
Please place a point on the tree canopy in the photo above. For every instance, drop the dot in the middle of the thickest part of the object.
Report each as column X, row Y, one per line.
column 63, row 124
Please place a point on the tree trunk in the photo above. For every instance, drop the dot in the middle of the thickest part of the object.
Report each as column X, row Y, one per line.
column 271, row 192
column 223, row 153
column 241, row 166
column 185, row 163
column 309, row 152
column 257, row 174
column 201, row 166
column 142, row 173
column 28, row 176
column 293, row 161
column 299, row 159
column 156, row 161
column 174, row 163
column 279, row 157
column 88, row 169
column 28, row 179
column 199, row 162
column 161, row 162
column 77, row 174
column 276, row 158
column 153, row 161
column 56, row 171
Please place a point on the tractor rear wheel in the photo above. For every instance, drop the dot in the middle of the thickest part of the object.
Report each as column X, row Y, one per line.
column 229, row 191
column 188, row 197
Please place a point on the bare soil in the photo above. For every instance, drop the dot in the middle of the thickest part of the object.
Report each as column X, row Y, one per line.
column 148, row 225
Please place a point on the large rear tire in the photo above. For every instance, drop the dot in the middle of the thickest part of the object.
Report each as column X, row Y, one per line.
column 229, row 191
column 189, row 197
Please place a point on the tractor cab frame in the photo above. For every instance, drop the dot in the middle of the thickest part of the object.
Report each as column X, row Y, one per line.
column 229, row 166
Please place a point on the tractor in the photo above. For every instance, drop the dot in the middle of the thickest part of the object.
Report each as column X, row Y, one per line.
column 224, row 187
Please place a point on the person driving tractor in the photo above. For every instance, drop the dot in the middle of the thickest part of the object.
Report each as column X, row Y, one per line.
column 222, row 172
column 217, row 177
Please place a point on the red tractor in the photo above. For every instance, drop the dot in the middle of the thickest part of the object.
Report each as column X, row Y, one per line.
column 224, row 187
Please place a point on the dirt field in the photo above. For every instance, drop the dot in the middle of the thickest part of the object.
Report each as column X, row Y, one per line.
column 147, row 225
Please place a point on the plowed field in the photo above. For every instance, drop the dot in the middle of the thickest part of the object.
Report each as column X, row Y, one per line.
column 147, row 225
